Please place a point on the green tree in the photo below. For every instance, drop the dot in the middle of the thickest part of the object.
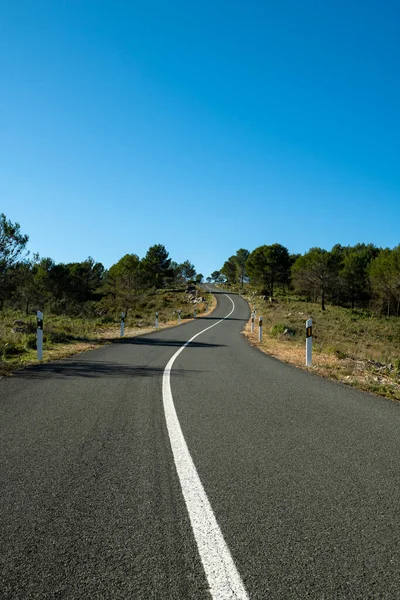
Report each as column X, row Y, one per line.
column 54, row 286
column 85, row 278
column 354, row 274
column 187, row 270
column 269, row 265
column 156, row 267
column 384, row 274
column 312, row 272
column 229, row 269
column 123, row 281
column 241, row 257
column 217, row 276
column 199, row 278
column 12, row 245
column 26, row 289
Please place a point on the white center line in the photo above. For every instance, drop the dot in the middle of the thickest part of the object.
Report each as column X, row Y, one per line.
column 222, row 576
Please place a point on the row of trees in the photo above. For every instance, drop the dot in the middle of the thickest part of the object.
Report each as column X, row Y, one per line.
column 30, row 283
column 361, row 275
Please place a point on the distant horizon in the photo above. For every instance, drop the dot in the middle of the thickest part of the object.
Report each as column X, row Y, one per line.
column 217, row 268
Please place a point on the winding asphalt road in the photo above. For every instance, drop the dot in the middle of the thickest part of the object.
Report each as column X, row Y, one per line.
column 100, row 479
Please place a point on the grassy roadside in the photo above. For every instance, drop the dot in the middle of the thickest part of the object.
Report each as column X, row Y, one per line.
column 350, row 346
column 68, row 336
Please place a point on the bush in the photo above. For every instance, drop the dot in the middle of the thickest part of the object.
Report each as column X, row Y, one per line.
column 58, row 337
column 278, row 329
column 12, row 349
column 106, row 320
column 30, row 342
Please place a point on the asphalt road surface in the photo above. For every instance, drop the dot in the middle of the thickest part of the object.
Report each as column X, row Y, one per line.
column 267, row 482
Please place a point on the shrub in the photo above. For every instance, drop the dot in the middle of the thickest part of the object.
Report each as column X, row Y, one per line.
column 278, row 329
column 12, row 349
column 30, row 341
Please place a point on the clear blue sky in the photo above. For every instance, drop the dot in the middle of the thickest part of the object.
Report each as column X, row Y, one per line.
column 205, row 126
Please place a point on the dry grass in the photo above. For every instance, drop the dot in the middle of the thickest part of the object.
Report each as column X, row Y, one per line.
column 66, row 336
column 349, row 346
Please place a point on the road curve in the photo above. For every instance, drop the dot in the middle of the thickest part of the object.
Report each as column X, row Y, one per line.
column 302, row 474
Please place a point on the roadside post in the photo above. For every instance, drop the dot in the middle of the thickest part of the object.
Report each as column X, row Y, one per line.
column 179, row 316
column 39, row 335
column 122, row 324
column 252, row 322
column 308, row 342
column 156, row 320
column 194, row 313
column 260, row 329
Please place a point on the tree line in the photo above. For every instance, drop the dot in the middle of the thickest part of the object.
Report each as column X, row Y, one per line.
column 31, row 283
column 362, row 276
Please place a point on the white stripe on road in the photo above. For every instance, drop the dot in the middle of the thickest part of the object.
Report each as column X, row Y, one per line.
column 223, row 578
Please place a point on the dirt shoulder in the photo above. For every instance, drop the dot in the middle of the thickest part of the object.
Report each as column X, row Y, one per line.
column 338, row 353
column 98, row 338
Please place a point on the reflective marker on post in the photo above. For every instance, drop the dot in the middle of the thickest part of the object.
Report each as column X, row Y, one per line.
column 39, row 335
column 308, row 343
column 156, row 320
column 252, row 321
column 194, row 313
column 260, row 329
column 179, row 316
column 122, row 324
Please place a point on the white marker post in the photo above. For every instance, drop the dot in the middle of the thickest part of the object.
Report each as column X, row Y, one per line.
column 39, row 335
column 308, row 342
column 122, row 324
column 252, row 322
column 260, row 329
column 156, row 320
column 179, row 317
column 194, row 313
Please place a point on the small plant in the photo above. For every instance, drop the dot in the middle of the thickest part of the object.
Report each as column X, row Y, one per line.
column 30, row 341
column 340, row 354
column 12, row 349
column 278, row 329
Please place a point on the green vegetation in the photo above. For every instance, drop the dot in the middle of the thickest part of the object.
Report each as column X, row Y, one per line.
column 65, row 334
column 353, row 346
column 355, row 334
column 82, row 301
column 361, row 276
column 353, row 295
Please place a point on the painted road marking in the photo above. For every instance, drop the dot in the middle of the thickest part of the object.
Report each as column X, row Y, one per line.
column 222, row 576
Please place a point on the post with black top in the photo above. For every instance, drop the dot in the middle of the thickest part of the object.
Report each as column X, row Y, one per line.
column 39, row 335
column 308, row 342
column 194, row 313
column 260, row 329
column 122, row 324
column 179, row 316
column 252, row 322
